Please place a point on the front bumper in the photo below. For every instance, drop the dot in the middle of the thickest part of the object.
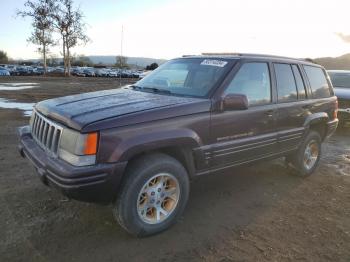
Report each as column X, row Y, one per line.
column 97, row 183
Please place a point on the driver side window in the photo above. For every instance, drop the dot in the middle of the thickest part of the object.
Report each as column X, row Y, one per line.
column 252, row 80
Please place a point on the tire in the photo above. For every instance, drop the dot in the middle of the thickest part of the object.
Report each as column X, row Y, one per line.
column 305, row 160
column 137, row 210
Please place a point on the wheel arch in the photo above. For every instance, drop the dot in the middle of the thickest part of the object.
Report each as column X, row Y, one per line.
column 318, row 123
column 178, row 144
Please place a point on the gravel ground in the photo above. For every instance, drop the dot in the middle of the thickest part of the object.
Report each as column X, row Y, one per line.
column 259, row 213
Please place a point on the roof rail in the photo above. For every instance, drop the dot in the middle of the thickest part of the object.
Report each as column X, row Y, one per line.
column 255, row 55
column 222, row 53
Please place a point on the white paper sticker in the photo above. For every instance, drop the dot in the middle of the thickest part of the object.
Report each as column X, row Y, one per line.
column 211, row 62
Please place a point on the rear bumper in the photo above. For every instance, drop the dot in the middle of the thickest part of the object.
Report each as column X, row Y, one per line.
column 331, row 127
column 97, row 183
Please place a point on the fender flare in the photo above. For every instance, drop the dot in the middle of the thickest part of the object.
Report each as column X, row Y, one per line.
column 128, row 148
column 316, row 118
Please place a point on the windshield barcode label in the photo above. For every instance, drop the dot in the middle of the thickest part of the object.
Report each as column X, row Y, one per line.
column 217, row 63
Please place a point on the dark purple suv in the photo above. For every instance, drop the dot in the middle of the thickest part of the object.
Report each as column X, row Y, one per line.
column 138, row 147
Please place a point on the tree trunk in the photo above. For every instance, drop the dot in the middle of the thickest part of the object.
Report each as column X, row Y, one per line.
column 68, row 60
column 64, row 56
column 44, row 53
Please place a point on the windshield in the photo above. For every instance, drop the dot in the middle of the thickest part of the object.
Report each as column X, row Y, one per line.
column 340, row 79
column 187, row 76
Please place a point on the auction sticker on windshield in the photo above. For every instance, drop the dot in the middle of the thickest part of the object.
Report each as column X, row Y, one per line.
column 211, row 62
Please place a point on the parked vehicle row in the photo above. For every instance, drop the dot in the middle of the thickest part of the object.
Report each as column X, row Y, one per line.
column 18, row 70
column 4, row 72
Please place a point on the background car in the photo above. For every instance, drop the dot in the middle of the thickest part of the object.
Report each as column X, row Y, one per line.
column 4, row 72
column 341, row 83
column 89, row 72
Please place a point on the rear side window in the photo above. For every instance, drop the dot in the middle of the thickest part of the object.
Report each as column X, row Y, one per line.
column 252, row 80
column 318, row 82
column 286, row 87
column 299, row 81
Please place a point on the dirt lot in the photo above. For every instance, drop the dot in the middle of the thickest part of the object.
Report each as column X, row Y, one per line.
column 261, row 213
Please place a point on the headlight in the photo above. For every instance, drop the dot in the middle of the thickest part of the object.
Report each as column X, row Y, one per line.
column 78, row 149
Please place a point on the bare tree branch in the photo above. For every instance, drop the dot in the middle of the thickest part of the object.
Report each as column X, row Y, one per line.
column 40, row 13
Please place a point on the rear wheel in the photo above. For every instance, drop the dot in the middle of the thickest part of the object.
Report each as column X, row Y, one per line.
column 153, row 195
column 306, row 158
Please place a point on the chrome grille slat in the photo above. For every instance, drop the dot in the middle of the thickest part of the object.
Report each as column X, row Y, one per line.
column 46, row 133
column 41, row 129
column 36, row 124
column 46, row 129
column 49, row 137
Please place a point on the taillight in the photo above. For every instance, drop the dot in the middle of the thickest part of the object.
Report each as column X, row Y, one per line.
column 335, row 112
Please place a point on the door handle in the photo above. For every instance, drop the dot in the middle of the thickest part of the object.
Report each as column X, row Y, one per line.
column 269, row 113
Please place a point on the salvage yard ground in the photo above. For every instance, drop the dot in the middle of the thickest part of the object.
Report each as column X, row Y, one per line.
column 259, row 213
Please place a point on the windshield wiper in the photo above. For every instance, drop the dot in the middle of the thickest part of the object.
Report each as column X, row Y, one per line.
column 152, row 89
column 157, row 90
column 136, row 87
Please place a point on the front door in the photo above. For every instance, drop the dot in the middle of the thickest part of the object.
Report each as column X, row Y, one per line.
column 239, row 136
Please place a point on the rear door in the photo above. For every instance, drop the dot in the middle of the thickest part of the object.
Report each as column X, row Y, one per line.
column 239, row 136
column 292, row 105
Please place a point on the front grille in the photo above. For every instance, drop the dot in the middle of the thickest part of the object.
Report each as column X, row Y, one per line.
column 45, row 132
column 344, row 104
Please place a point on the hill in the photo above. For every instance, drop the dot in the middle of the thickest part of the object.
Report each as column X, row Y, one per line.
column 340, row 62
column 138, row 61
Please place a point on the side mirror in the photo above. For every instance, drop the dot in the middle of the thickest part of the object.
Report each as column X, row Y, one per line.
column 234, row 102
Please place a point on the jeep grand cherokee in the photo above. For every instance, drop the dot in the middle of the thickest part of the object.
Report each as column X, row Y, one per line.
column 138, row 147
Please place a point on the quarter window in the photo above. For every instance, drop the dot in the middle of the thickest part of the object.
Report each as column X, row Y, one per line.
column 318, row 82
column 286, row 86
column 252, row 80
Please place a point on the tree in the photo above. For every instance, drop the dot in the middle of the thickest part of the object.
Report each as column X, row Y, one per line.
column 121, row 61
column 68, row 21
column 3, row 57
column 152, row 66
column 40, row 13
column 53, row 60
column 82, row 61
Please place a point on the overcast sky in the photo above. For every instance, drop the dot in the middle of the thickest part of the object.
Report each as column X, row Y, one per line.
column 167, row 29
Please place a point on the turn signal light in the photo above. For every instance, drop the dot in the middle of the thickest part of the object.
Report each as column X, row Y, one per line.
column 91, row 141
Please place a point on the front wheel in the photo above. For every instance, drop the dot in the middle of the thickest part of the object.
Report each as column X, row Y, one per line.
column 153, row 195
column 306, row 158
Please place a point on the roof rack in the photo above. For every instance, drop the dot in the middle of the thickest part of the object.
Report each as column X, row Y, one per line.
column 250, row 54
column 253, row 55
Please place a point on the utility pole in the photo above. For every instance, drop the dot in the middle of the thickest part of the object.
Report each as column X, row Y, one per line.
column 121, row 56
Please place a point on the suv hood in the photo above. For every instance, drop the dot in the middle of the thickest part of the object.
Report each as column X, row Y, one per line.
column 341, row 92
column 77, row 111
